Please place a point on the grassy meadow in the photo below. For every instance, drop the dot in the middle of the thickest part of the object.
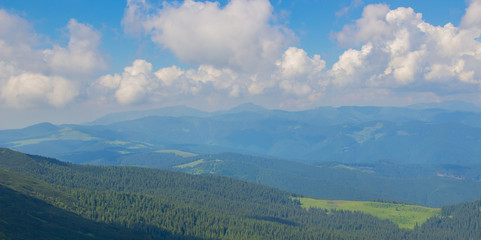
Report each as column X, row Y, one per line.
column 404, row 215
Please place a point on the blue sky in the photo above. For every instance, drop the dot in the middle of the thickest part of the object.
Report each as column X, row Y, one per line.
column 66, row 61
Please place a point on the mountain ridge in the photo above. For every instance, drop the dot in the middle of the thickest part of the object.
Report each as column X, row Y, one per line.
column 348, row 134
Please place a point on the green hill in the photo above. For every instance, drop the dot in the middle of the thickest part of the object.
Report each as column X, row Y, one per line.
column 24, row 217
column 163, row 203
column 160, row 204
column 427, row 185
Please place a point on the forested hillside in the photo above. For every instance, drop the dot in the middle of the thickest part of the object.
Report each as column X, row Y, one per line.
column 25, row 217
column 170, row 205
column 423, row 184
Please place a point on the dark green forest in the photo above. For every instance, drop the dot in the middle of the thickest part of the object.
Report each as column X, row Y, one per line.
column 58, row 200
column 420, row 184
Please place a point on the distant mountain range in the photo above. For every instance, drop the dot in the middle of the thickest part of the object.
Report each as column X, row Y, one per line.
column 345, row 134
column 423, row 156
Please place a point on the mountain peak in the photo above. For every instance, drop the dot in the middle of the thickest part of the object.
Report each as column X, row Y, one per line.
column 171, row 111
column 448, row 105
column 247, row 107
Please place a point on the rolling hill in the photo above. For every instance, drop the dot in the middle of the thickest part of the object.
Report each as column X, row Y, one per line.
column 423, row 184
column 25, row 217
column 93, row 202
column 169, row 205
column 344, row 134
column 423, row 156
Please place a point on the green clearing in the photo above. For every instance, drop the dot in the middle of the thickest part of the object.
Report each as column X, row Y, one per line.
column 117, row 142
column 178, row 153
column 366, row 133
column 344, row 167
column 404, row 215
column 191, row 164
column 62, row 134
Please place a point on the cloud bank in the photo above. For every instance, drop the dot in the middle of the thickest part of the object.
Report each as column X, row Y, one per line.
column 393, row 52
column 239, row 51
column 399, row 49
column 239, row 35
column 31, row 76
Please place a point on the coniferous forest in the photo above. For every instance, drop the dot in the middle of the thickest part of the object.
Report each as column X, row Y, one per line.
column 57, row 200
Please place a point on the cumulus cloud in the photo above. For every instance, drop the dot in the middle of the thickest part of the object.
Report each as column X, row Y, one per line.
column 135, row 14
column 80, row 56
column 239, row 35
column 299, row 74
column 30, row 90
column 295, row 62
column 472, row 18
column 169, row 75
column 351, row 63
column 33, row 76
column 138, row 83
column 399, row 49
column 370, row 26
column 237, row 51
column 134, row 85
column 16, row 41
column 295, row 73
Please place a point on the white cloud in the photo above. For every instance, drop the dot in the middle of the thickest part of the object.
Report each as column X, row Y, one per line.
column 472, row 18
column 238, row 35
column 31, row 76
column 138, row 83
column 110, row 81
column 30, row 90
column 297, row 74
column 81, row 55
column 16, row 41
column 371, row 26
column 300, row 74
column 345, row 10
column 351, row 63
column 220, row 79
column 238, row 52
column 14, row 29
column 295, row 62
column 134, row 85
column 135, row 14
column 169, row 75
column 297, row 88
column 405, row 51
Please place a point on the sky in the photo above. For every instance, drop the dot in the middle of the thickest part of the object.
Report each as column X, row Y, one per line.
column 72, row 61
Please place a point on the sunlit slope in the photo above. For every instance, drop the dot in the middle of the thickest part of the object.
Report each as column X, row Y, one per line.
column 404, row 215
